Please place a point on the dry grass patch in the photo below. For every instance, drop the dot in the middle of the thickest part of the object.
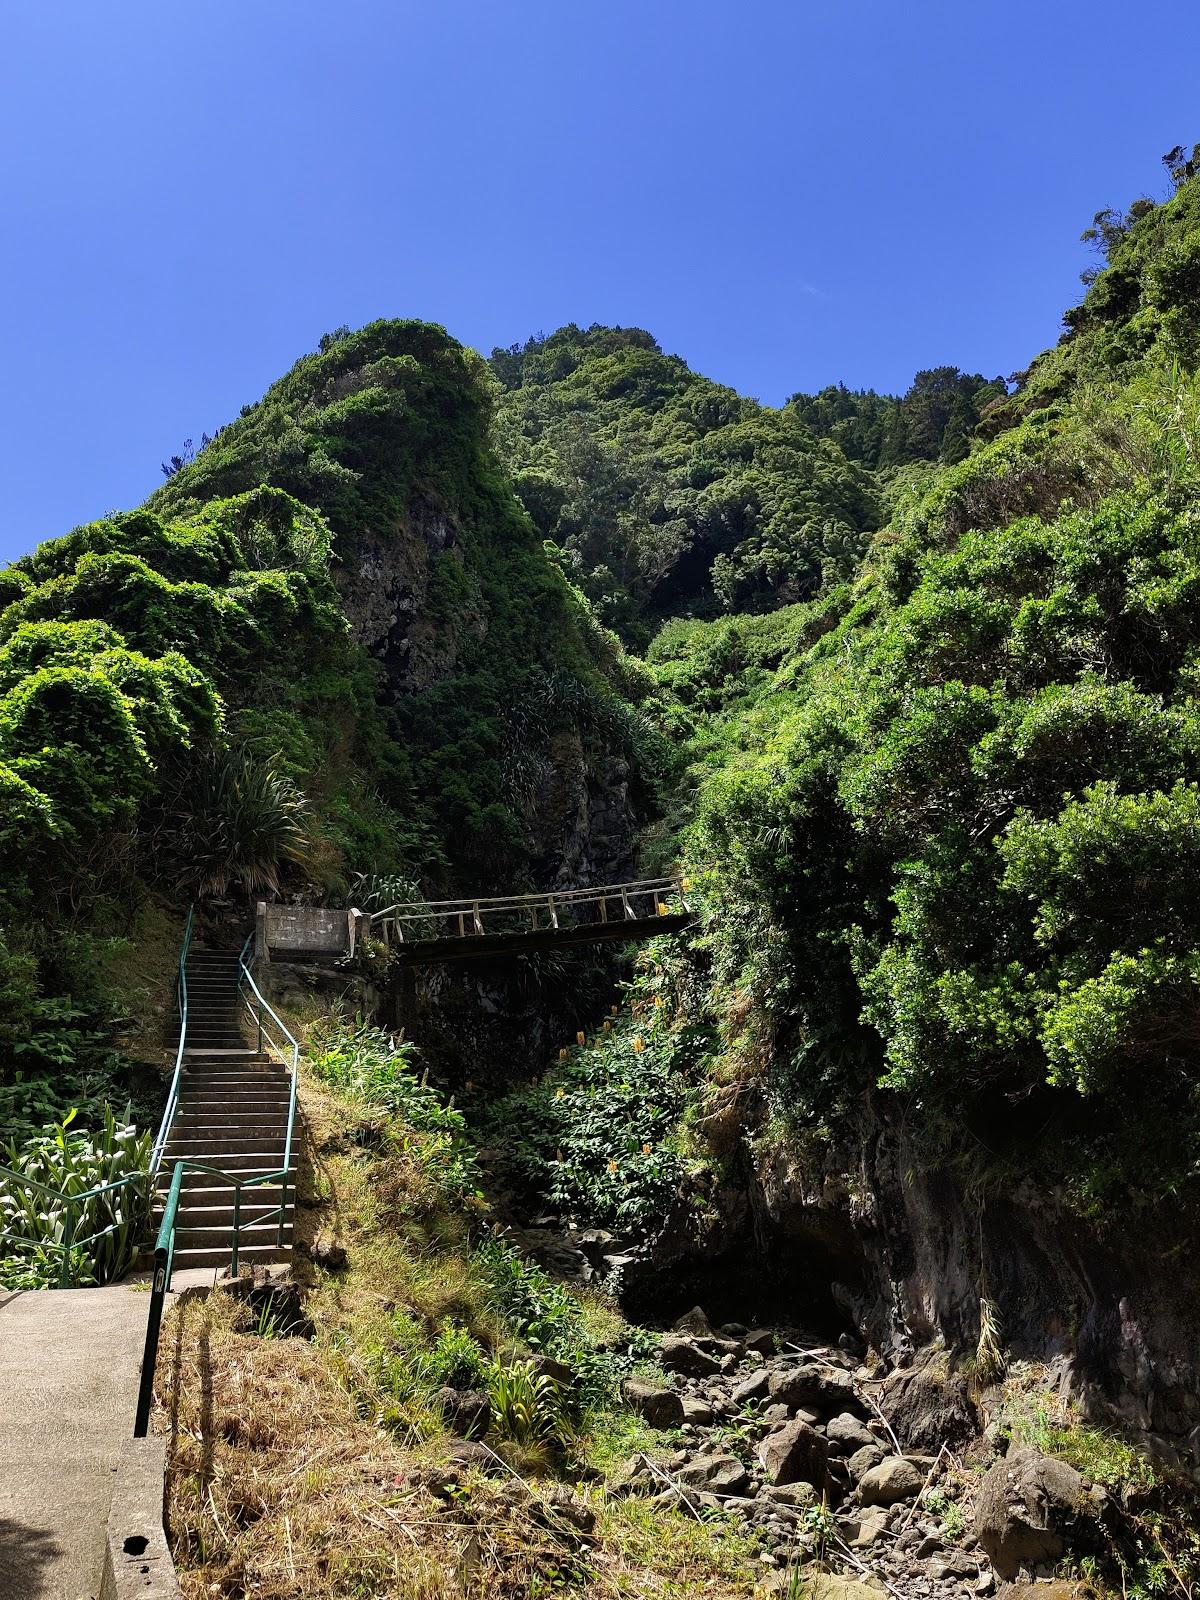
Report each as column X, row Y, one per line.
column 279, row 1488
column 323, row 1469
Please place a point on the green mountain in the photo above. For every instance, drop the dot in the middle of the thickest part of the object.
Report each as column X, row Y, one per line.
column 952, row 806
column 668, row 494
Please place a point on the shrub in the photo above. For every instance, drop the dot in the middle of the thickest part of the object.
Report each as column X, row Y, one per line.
column 70, row 1163
column 242, row 821
column 368, row 1063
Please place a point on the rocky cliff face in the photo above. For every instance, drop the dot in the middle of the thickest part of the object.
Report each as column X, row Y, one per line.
column 874, row 1244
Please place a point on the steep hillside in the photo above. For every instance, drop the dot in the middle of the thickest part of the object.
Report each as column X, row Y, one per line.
column 331, row 646
column 947, row 826
column 667, row 493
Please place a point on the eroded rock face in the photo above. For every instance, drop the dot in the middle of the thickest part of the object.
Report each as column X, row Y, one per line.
column 1029, row 1508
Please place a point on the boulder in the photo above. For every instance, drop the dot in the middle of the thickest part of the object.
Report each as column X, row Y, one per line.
column 561, row 1504
column 467, row 1412
column 832, row 1586
column 795, row 1453
column 328, row 1254
column 797, row 1495
column 698, row 1412
column 929, row 1406
column 696, row 1323
column 762, row 1340
column 864, row 1531
column 661, row 1407
column 752, row 1388
column 557, row 1371
column 678, row 1354
column 633, row 1477
column 893, row 1479
column 848, row 1433
column 1030, row 1507
column 717, row 1474
column 813, row 1388
column 861, row 1462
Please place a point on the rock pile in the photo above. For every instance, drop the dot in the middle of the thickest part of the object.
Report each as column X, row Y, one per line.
column 791, row 1440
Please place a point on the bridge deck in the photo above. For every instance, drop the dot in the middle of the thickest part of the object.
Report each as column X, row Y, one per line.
column 474, row 946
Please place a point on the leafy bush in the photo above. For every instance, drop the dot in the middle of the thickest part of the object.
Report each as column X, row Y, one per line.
column 528, row 1407
column 243, row 822
column 40, row 1228
column 598, row 1135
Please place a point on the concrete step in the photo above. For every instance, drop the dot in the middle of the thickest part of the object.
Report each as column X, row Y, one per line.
column 216, row 1101
column 222, row 1216
column 248, row 1255
column 253, row 1233
column 231, row 1119
column 240, row 1167
column 203, row 1189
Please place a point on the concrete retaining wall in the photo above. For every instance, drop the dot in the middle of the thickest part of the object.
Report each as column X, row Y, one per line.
column 137, row 1561
column 300, row 931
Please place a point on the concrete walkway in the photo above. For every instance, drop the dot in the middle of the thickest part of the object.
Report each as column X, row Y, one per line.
column 69, row 1366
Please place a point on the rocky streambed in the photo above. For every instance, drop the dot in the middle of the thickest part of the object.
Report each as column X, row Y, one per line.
column 812, row 1450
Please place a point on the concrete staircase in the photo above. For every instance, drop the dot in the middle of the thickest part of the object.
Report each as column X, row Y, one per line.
column 232, row 1115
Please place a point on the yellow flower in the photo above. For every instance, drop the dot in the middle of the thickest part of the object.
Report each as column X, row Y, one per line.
column 645, row 1149
column 612, row 1166
column 579, row 1037
column 562, row 1054
column 638, row 1045
column 559, row 1092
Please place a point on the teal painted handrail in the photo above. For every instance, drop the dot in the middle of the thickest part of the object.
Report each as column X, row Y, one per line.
column 168, row 1116
column 288, row 1051
column 287, row 1048
column 164, row 1261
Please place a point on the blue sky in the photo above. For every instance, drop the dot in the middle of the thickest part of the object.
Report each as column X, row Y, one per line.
column 786, row 193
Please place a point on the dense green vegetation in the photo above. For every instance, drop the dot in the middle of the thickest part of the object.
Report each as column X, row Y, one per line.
column 667, row 493
column 185, row 710
column 920, row 673
column 952, row 806
column 934, row 421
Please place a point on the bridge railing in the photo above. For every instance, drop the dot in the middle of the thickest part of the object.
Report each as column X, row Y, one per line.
column 427, row 920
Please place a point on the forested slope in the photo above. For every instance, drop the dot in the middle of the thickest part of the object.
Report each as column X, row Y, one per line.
column 954, row 804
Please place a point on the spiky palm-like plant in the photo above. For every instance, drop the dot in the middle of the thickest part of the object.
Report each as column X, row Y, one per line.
column 242, row 820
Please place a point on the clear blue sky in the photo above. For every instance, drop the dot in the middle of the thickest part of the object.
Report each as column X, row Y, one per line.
column 786, row 192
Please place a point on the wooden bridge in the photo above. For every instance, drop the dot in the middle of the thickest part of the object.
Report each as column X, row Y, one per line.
column 456, row 930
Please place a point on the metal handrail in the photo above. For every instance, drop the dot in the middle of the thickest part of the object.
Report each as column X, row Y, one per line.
column 168, row 1116
column 164, row 1258
column 410, row 910
column 289, row 1055
column 71, row 1207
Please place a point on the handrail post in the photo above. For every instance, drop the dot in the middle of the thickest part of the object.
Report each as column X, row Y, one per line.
column 158, row 1292
column 260, row 1026
column 237, row 1223
column 64, row 1271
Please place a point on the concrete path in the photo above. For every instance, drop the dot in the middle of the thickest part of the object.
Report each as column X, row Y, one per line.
column 69, row 1366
